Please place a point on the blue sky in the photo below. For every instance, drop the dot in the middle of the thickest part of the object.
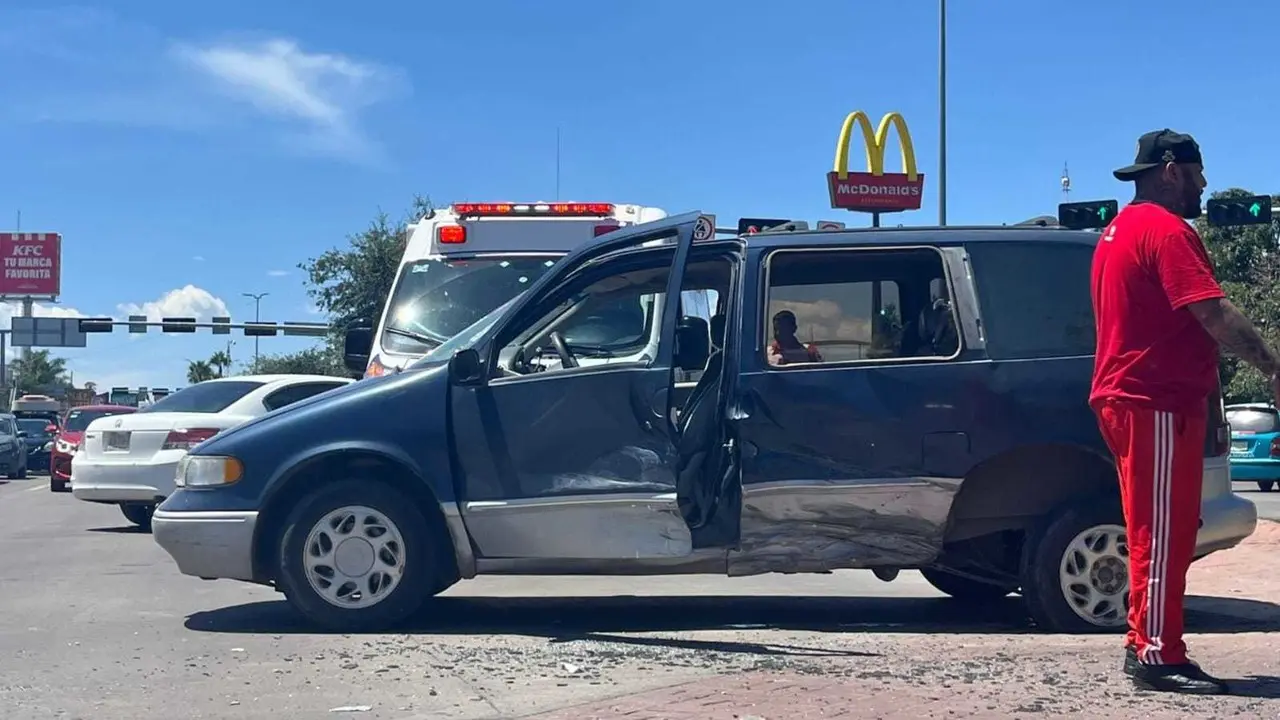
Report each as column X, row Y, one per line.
column 190, row 152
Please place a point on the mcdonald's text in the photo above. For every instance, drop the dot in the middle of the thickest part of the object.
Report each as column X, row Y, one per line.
column 866, row 192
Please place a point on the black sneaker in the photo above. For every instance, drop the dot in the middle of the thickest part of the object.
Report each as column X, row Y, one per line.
column 1181, row 678
column 1131, row 663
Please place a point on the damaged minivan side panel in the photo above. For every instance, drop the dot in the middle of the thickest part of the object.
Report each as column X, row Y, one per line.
column 856, row 445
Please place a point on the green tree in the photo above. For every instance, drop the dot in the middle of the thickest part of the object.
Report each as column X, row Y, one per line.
column 319, row 360
column 353, row 282
column 1247, row 263
column 200, row 370
column 39, row 373
column 221, row 361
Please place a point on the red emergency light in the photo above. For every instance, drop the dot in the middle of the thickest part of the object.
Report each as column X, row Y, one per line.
column 451, row 234
column 534, row 209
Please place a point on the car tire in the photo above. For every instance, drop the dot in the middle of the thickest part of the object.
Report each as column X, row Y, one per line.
column 1266, row 485
column 58, row 486
column 22, row 474
column 1075, row 569
column 963, row 588
column 410, row 559
column 139, row 515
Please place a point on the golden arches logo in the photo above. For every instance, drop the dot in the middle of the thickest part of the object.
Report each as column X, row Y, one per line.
column 875, row 190
column 875, row 144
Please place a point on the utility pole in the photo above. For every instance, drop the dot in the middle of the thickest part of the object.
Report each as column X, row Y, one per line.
column 257, row 307
column 942, row 113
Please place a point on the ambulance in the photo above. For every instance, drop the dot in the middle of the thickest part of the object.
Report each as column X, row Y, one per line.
column 463, row 261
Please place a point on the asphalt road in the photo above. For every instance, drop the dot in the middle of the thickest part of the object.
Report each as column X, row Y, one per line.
column 96, row 622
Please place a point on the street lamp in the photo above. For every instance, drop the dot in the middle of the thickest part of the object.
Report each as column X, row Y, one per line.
column 257, row 306
column 942, row 112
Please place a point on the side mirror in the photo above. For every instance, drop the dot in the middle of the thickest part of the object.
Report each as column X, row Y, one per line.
column 465, row 368
column 356, row 346
column 22, row 433
column 51, row 428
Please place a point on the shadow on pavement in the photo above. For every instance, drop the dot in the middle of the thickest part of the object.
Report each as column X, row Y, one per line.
column 121, row 530
column 1255, row 686
column 561, row 617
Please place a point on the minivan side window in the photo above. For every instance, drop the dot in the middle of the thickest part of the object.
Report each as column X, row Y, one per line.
column 1034, row 298
column 850, row 305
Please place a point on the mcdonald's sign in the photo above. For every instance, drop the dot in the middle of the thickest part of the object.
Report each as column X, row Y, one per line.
column 875, row 190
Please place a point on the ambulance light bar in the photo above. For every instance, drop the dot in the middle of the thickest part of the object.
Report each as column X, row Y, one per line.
column 533, row 209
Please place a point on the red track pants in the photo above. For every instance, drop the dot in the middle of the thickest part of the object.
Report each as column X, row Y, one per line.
column 1160, row 458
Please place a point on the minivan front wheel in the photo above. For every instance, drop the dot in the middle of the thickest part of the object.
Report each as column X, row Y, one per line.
column 1075, row 575
column 1266, row 485
column 357, row 556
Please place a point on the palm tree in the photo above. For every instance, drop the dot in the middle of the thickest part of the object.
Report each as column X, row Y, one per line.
column 199, row 370
column 220, row 360
column 39, row 372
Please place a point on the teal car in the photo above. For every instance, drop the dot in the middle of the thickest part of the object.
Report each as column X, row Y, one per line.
column 1255, row 444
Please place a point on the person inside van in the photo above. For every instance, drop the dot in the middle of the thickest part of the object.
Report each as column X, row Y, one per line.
column 938, row 335
column 786, row 348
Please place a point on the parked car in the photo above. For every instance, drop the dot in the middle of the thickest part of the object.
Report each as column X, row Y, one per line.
column 66, row 443
column 130, row 460
column 1255, row 444
column 869, row 398
column 13, row 448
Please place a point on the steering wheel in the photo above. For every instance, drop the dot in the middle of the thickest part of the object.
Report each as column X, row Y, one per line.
column 562, row 349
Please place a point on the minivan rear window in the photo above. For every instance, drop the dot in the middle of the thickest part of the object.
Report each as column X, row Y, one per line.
column 1258, row 420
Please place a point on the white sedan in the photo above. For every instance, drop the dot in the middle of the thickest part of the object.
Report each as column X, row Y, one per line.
column 131, row 460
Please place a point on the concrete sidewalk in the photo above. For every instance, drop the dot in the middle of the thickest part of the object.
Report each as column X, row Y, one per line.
column 1232, row 602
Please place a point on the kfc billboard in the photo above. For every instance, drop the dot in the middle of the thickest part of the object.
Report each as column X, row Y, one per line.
column 32, row 264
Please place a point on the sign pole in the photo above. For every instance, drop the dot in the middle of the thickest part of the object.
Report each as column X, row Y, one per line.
column 875, row 219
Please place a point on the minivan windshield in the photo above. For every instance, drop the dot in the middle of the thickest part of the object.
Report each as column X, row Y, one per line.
column 437, row 298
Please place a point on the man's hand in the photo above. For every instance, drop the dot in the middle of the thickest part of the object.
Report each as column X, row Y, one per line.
column 1234, row 332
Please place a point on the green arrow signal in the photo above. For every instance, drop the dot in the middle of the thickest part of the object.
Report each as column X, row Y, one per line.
column 1102, row 213
column 1254, row 209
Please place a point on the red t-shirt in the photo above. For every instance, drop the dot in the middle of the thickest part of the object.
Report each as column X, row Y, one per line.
column 1152, row 352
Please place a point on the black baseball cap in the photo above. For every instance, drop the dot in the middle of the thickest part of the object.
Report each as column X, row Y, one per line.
column 1157, row 148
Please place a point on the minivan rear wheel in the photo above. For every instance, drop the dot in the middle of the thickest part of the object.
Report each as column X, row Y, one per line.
column 1266, row 485
column 357, row 556
column 1075, row 571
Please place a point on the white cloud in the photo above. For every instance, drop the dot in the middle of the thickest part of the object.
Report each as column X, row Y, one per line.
column 322, row 94
column 11, row 310
column 189, row 301
column 277, row 273
column 72, row 65
column 198, row 258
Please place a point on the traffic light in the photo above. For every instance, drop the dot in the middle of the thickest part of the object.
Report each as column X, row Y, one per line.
column 260, row 329
column 178, row 324
column 751, row 226
column 1252, row 210
column 96, row 325
column 1087, row 215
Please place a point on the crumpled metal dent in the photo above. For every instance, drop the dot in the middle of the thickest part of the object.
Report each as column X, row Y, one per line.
column 821, row 527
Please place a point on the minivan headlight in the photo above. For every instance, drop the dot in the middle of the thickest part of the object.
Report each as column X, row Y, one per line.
column 208, row 471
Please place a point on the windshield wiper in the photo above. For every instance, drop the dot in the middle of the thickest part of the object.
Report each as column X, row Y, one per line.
column 429, row 341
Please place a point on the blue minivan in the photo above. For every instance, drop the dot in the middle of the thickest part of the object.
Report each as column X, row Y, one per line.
column 880, row 398
column 1255, row 444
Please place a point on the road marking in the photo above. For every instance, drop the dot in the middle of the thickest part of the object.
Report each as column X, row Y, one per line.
column 37, row 487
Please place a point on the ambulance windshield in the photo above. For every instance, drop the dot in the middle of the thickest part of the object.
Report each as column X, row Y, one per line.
column 437, row 298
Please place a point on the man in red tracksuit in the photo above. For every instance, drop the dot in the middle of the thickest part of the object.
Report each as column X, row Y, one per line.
column 1161, row 317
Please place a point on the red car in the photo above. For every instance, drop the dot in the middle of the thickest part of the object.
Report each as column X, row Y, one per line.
column 67, row 442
